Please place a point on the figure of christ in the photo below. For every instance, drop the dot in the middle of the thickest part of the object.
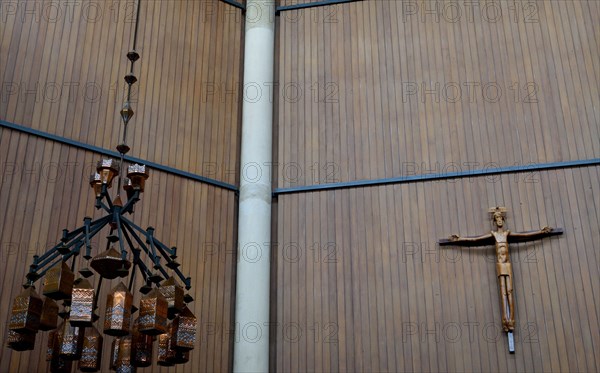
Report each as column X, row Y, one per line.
column 501, row 238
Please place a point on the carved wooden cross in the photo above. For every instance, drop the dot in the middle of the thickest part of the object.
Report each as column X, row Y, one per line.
column 501, row 238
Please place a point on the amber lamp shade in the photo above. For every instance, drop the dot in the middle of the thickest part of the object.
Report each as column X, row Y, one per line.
column 173, row 292
column 49, row 317
column 114, row 353
column 124, row 363
column 91, row 355
column 108, row 263
column 138, row 175
column 26, row 312
column 153, row 313
column 142, row 346
column 96, row 184
column 183, row 331
column 108, row 169
column 70, row 341
column 82, row 303
column 20, row 341
column 117, row 320
column 166, row 354
column 58, row 282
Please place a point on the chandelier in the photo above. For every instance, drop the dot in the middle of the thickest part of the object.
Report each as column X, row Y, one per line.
column 162, row 314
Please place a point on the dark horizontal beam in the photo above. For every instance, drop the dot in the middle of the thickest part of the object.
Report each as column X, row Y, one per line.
column 312, row 5
column 235, row 4
column 112, row 153
column 438, row 176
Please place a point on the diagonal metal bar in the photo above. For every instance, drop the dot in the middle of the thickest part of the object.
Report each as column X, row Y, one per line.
column 112, row 153
column 235, row 4
column 312, row 5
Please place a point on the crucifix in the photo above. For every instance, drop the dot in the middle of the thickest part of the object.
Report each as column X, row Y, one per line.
column 501, row 238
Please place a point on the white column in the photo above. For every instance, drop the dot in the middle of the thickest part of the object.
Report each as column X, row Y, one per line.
column 251, row 345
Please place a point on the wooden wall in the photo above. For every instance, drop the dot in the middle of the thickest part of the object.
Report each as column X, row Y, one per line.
column 372, row 89
column 361, row 284
column 358, row 281
column 62, row 73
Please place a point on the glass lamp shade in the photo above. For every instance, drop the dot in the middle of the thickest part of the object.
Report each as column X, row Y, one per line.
column 117, row 320
column 96, row 184
column 26, row 312
column 49, row 317
column 153, row 313
column 138, row 175
column 173, row 292
column 124, row 363
column 82, row 303
column 91, row 354
column 165, row 353
column 128, row 187
column 114, row 353
column 60, row 365
column 142, row 346
column 183, row 331
column 20, row 341
column 109, row 263
column 70, row 341
column 51, row 345
column 58, row 282
column 107, row 168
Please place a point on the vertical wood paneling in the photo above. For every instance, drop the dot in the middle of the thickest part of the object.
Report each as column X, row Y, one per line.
column 67, row 75
column 413, row 306
column 421, row 92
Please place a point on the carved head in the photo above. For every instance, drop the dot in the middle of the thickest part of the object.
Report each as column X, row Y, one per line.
column 498, row 215
column 499, row 219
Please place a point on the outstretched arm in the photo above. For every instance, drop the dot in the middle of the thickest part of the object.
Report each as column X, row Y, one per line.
column 533, row 235
column 483, row 240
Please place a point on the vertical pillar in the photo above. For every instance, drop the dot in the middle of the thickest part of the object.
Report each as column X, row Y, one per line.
column 251, row 346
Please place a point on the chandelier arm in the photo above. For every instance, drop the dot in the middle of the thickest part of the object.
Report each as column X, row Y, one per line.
column 101, row 205
column 53, row 253
column 127, row 225
column 120, row 235
column 78, row 230
column 109, row 202
column 186, row 280
column 162, row 248
column 131, row 202
column 136, row 252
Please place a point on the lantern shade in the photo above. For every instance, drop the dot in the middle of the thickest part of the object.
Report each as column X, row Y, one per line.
column 117, row 319
column 153, row 313
column 114, row 353
column 165, row 353
column 109, row 263
column 70, row 341
column 173, row 292
column 60, row 365
column 181, row 357
column 26, row 312
column 49, row 317
column 51, row 345
column 20, row 341
column 183, row 331
column 91, row 354
column 107, row 168
column 142, row 346
column 82, row 303
column 58, row 282
column 124, row 363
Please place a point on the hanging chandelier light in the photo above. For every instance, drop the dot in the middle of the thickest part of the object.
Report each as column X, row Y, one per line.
column 77, row 337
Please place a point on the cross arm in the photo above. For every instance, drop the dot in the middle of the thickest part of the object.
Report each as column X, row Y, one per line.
column 456, row 240
column 514, row 237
